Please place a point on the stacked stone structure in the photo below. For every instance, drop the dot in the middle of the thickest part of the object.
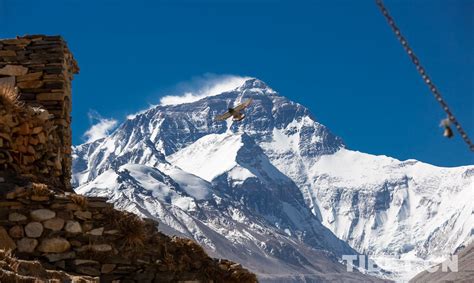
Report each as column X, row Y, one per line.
column 41, row 68
column 86, row 236
column 30, row 144
column 44, row 225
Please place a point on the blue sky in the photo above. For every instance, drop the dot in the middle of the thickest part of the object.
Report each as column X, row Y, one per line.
column 339, row 58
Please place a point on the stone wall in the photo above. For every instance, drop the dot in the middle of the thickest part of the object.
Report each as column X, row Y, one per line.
column 29, row 143
column 14, row 270
column 42, row 219
column 86, row 236
column 42, row 68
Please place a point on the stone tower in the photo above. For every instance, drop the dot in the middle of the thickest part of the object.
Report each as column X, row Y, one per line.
column 42, row 68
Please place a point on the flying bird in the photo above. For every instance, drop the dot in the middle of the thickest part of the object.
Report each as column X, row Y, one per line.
column 235, row 112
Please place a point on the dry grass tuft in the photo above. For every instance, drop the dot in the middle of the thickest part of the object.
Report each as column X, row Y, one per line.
column 39, row 189
column 132, row 227
column 79, row 200
column 9, row 271
column 134, row 230
column 6, row 255
column 9, row 96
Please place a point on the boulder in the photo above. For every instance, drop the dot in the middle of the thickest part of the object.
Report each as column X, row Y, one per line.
column 96, row 232
column 42, row 214
column 54, row 245
column 16, row 217
column 16, row 232
column 107, row 268
column 83, row 215
column 27, row 245
column 55, row 224
column 73, row 227
column 34, row 229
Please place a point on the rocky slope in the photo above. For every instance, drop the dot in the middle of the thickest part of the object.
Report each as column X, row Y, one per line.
column 456, row 270
column 258, row 191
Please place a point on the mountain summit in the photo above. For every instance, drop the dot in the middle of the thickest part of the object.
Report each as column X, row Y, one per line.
column 278, row 191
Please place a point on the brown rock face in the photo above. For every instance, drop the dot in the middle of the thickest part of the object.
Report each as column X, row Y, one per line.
column 461, row 271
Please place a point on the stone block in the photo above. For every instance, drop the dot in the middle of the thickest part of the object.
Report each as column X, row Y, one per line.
column 54, row 245
column 83, row 215
column 34, row 229
column 13, row 70
column 55, row 224
column 30, row 84
column 73, row 227
column 27, row 245
column 7, row 82
column 107, row 268
column 42, row 214
column 61, row 256
column 50, row 96
column 29, row 77
column 16, row 217
column 16, row 232
column 7, row 53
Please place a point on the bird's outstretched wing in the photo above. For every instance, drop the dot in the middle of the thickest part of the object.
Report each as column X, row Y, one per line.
column 224, row 116
column 243, row 105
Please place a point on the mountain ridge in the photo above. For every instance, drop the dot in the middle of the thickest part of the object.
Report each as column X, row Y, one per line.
column 305, row 152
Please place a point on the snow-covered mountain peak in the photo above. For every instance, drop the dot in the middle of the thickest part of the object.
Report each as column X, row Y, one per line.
column 236, row 154
column 210, row 156
column 266, row 184
column 257, row 86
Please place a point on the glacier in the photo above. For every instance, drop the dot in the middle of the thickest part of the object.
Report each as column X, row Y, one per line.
column 278, row 192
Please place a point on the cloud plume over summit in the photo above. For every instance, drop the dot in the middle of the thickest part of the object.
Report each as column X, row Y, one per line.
column 204, row 86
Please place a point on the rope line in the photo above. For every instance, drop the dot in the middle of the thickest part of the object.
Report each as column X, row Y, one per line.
column 434, row 90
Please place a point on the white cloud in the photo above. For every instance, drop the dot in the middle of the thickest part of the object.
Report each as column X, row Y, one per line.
column 132, row 116
column 200, row 87
column 100, row 129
